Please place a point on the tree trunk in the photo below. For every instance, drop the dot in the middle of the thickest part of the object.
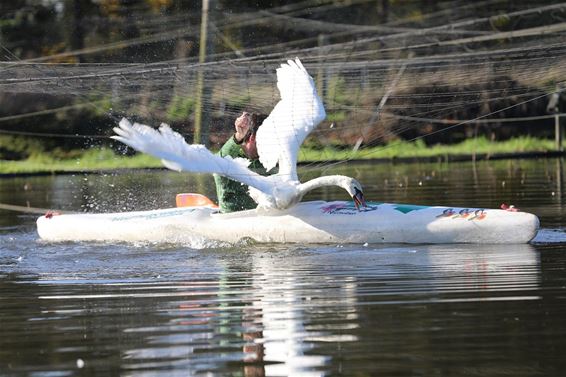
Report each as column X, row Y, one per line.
column 383, row 11
column 74, row 12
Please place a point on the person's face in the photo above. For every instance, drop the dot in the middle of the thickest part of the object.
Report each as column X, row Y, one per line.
column 250, row 148
column 243, row 124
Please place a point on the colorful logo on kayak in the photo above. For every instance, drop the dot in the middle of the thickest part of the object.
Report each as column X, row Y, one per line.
column 466, row 213
column 346, row 208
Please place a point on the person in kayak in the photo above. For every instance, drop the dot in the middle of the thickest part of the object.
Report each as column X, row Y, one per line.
column 233, row 195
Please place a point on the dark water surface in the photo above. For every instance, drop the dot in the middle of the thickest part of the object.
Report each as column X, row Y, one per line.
column 101, row 309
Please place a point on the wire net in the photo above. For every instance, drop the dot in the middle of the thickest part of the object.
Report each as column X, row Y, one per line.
column 483, row 67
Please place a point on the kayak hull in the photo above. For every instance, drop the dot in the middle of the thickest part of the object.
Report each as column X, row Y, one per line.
column 307, row 222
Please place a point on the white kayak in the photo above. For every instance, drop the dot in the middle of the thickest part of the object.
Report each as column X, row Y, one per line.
column 307, row 222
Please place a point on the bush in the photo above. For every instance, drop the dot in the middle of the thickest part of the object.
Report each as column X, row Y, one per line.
column 180, row 108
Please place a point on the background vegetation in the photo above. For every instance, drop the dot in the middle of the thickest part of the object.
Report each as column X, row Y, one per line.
column 390, row 71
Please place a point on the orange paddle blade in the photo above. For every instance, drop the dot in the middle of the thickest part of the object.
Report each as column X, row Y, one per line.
column 193, row 200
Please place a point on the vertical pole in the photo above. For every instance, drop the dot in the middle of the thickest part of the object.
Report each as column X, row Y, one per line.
column 558, row 133
column 555, row 106
column 74, row 14
column 202, row 93
column 383, row 11
column 559, row 179
column 321, row 74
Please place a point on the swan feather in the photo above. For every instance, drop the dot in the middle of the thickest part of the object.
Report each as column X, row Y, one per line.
column 298, row 112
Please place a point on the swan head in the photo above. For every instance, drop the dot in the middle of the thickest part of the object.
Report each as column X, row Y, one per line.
column 354, row 188
column 351, row 185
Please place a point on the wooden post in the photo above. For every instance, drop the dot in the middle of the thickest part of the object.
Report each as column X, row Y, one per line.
column 321, row 74
column 74, row 11
column 202, row 117
column 559, row 179
column 383, row 11
column 558, row 133
column 554, row 107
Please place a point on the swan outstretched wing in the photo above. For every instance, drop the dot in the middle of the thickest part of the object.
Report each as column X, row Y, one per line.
column 298, row 112
column 176, row 154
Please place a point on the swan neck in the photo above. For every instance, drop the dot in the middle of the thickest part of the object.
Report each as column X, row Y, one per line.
column 327, row 180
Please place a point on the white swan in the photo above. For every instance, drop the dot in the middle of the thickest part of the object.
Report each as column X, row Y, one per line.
column 279, row 137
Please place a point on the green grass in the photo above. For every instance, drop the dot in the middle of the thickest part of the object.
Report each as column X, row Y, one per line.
column 106, row 159
column 93, row 159
column 400, row 149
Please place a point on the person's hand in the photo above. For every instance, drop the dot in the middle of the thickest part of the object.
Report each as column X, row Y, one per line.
column 242, row 126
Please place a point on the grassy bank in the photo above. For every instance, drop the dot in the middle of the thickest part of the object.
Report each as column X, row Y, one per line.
column 93, row 159
column 417, row 149
column 105, row 159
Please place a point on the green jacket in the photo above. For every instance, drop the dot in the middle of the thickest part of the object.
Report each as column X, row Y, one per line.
column 233, row 195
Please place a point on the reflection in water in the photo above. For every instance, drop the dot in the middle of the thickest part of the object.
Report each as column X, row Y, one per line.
column 264, row 312
column 491, row 268
column 286, row 301
column 257, row 313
